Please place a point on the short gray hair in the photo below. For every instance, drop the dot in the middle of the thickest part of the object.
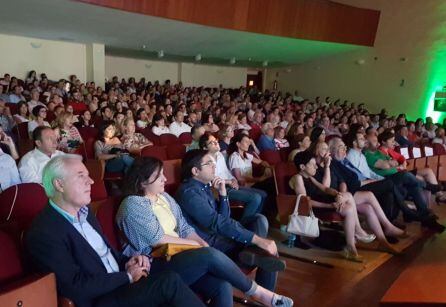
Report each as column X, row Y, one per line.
column 266, row 126
column 55, row 169
column 333, row 145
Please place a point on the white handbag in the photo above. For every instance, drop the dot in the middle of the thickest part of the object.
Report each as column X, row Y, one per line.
column 307, row 226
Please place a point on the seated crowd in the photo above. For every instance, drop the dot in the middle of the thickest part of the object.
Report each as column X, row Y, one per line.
column 346, row 161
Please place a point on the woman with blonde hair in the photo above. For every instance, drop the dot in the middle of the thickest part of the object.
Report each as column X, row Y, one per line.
column 69, row 137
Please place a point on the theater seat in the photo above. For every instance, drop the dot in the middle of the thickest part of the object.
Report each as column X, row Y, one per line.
column 11, row 268
column 282, row 173
column 154, row 151
column 105, row 214
column 271, row 156
column 175, row 151
column 21, row 203
column 168, row 138
column 185, row 138
column 172, row 172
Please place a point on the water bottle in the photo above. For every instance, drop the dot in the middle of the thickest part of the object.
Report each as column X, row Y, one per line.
column 291, row 239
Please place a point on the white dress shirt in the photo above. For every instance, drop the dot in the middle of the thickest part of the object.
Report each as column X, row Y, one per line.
column 160, row 130
column 176, row 128
column 9, row 175
column 32, row 164
column 221, row 169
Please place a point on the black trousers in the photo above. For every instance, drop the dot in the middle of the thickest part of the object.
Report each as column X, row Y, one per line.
column 384, row 191
column 164, row 289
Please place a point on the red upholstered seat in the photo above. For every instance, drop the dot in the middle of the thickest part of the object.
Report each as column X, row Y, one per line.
column 88, row 132
column 98, row 190
column 270, row 156
column 11, row 267
column 185, row 138
column 154, row 151
column 284, row 153
column 172, row 171
column 105, row 214
column 175, row 151
column 89, row 147
column 155, row 139
column 168, row 139
column 22, row 131
column 442, row 168
column 21, row 203
column 438, row 149
column 283, row 171
column 12, row 107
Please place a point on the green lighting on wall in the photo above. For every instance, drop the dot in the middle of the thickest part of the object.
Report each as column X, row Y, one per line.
column 429, row 112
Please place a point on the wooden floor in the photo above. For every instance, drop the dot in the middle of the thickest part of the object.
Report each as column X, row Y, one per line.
column 312, row 285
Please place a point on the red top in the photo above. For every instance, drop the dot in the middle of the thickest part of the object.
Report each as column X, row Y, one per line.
column 393, row 154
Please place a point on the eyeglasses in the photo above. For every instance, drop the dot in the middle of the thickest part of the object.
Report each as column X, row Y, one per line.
column 209, row 163
column 213, row 143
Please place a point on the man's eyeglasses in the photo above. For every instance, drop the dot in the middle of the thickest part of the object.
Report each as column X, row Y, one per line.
column 209, row 163
column 213, row 143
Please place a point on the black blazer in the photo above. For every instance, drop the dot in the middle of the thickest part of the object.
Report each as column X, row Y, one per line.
column 56, row 246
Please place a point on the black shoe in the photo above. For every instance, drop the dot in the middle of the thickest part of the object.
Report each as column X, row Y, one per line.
column 433, row 225
column 392, row 240
column 434, row 188
column 255, row 257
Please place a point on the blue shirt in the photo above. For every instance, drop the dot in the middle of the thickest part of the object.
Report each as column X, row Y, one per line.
column 9, row 175
column 91, row 235
column 358, row 160
column 211, row 220
column 266, row 143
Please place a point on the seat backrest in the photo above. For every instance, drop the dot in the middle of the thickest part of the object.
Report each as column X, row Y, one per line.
column 185, row 138
column 98, row 190
column 154, row 151
column 283, row 171
column 89, row 147
column 432, row 163
column 22, row 130
column 270, row 156
column 21, row 203
column 439, row 149
column 167, row 139
column 148, row 133
column 175, row 151
column 172, row 172
column 420, row 163
column 105, row 214
column 33, row 291
column 88, row 132
column 11, row 267
column 95, row 169
column 442, row 168
column 284, row 153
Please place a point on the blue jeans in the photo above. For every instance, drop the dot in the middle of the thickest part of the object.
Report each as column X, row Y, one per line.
column 252, row 198
column 120, row 164
column 259, row 225
column 208, row 271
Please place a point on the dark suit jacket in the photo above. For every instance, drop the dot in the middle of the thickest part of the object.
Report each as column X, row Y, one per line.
column 56, row 246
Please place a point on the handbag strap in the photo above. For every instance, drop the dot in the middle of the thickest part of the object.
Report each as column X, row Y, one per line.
column 13, row 202
column 296, row 207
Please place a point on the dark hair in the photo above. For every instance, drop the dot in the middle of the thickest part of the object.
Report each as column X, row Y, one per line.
column 138, row 113
column 105, row 108
column 37, row 109
column 203, row 140
column 315, row 133
column 233, row 146
column 302, row 157
column 37, row 133
column 349, row 138
column 398, row 128
column 156, row 118
column 191, row 159
column 104, row 125
column 139, row 173
column 385, row 136
column 205, row 118
column 20, row 104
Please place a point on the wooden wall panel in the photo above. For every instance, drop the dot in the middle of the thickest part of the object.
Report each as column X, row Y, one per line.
column 305, row 19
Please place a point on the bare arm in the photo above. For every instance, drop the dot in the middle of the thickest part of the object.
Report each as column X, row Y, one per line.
column 299, row 188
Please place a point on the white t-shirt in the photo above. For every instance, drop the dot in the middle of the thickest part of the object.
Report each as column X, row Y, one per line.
column 32, row 164
column 244, row 165
column 221, row 169
column 176, row 129
column 160, row 130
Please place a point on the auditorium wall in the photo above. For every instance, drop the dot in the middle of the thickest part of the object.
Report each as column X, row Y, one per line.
column 190, row 74
column 401, row 71
column 56, row 58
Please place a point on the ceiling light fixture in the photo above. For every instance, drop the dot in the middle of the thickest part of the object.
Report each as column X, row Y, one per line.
column 265, row 63
column 144, row 46
column 232, row 61
column 198, row 57
column 161, row 53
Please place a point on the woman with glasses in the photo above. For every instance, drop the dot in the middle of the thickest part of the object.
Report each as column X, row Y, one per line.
column 39, row 113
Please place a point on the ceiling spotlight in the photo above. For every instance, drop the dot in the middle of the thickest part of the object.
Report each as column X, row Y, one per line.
column 265, row 63
column 198, row 57
column 161, row 53
column 249, row 59
column 144, row 46
column 232, row 61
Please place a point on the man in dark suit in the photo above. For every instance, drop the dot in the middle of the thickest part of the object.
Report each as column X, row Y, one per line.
column 66, row 239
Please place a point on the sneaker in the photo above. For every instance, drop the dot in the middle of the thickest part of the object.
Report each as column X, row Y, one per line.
column 282, row 301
